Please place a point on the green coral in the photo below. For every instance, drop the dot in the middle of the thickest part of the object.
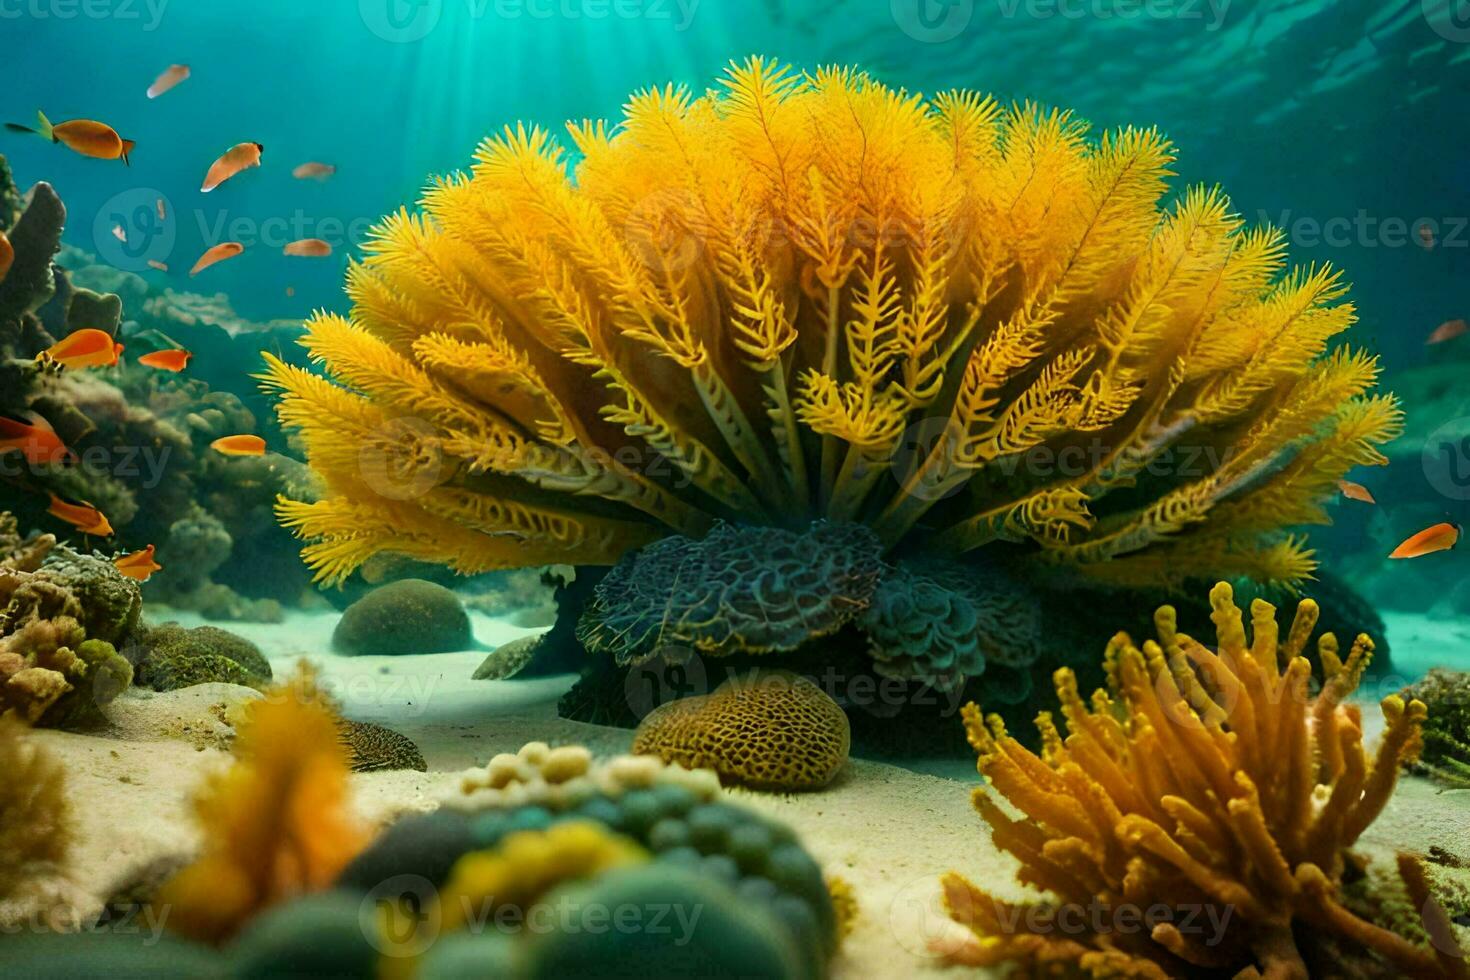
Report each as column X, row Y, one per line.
column 1446, row 754
column 374, row 748
column 407, row 616
column 174, row 657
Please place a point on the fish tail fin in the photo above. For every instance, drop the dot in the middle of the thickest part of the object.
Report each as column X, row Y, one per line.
column 127, row 152
column 46, row 131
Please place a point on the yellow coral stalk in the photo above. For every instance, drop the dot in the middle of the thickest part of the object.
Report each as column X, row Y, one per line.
column 805, row 296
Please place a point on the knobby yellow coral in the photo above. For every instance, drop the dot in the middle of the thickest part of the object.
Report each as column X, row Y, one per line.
column 36, row 827
column 1205, row 781
column 275, row 824
column 813, row 296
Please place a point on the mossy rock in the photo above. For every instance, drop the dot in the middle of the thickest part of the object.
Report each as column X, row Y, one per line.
column 316, row 936
column 730, row 937
column 175, row 657
column 111, row 602
column 126, row 952
column 106, row 674
column 404, row 617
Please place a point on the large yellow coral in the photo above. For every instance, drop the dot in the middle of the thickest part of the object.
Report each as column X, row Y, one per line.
column 1206, row 784
column 813, row 296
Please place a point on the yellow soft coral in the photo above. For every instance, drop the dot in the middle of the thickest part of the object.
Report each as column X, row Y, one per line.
column 275, row 824
column 754, row 304
column 36, row 826
column 1205, row 782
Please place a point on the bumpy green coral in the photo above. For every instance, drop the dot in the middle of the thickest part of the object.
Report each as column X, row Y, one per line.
column 738, row 589
column 1446, row 754
column 374, row 748
column 407, row 616
column 173, row 657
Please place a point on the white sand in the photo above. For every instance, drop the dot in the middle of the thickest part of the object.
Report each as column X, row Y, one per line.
column 889, row 831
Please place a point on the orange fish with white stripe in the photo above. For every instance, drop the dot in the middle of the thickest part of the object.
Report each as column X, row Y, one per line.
column 80, row 515
column 241, row 445
column 241, row 156
column 1355, row 491
column 309, row 248
column 138, row 566
column 85, row 348
column 34, row 439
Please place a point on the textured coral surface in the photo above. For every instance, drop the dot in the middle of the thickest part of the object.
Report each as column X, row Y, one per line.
column 812, row 296
column 768, row 730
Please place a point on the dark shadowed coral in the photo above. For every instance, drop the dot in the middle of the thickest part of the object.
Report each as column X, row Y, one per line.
column 9, row 196
column 1202, row 779
column 170, row 657
column 1446, row 755
column 35, row 823
column 738, row 589
column 766, row 730
column 407, row 616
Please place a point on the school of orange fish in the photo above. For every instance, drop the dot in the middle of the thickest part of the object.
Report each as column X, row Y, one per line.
column 31, row 435
column 34, row 438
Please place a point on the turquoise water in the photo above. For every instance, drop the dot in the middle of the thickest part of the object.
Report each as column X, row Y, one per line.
column 1341, row 120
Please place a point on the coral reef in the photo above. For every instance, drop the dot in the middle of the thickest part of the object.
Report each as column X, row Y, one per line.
column 373, row 748
column 523, row 596
column 275, row 824
column 508, row 659
column 407, row 616
column 35, row 825
column 1446, row 754
column 1202, row 779
column 59, row 613
column 169, row 657
column 770, row 730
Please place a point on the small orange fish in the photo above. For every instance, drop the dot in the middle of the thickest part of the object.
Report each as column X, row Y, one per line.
column 84, row 349
column 7, row 256
column 241, row 156
column 290, row 291
column 35, row 439
column 167, row 360
column 160, row 266
column 314, row 171
column 172, row 76
column 1440, row 537
column 219, row 253
column 1448, row 330
column 80, row 515
column 139, row 565
column 239, row 446
column 84, row 136
column 309, row 248
column 162, row 210
column 119, row 234
column 1355, row 491
column 1426, row 236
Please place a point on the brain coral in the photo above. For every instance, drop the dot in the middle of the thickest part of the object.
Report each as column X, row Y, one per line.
column 967, row 326
column 768, row 730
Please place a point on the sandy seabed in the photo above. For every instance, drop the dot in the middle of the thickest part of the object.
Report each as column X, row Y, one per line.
column 889, row 831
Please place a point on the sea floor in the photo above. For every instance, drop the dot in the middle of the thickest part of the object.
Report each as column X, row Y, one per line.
column 889, row 830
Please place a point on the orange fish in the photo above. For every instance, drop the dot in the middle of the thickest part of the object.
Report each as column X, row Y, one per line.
column 1426, row 236
column 160, row 266
column 1440, row 537
column 290, row 291
column 219, row 253
column 138, row 566
column 7, row 256
column 162, row 210
column 239, row 446
column 80, row 515
column 314, row 171
column 166, row 360
column 84, row 349
column 36, row 440
column 309, row 248
column 1355, row 491
column 1448, row 330
column 85, row 136
column 119, row 234
column 171, row 77
column 240, row 157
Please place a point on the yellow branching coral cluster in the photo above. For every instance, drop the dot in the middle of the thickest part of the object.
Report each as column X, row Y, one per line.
column 1206, row 780
column 276, row 824
column 813, row 296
